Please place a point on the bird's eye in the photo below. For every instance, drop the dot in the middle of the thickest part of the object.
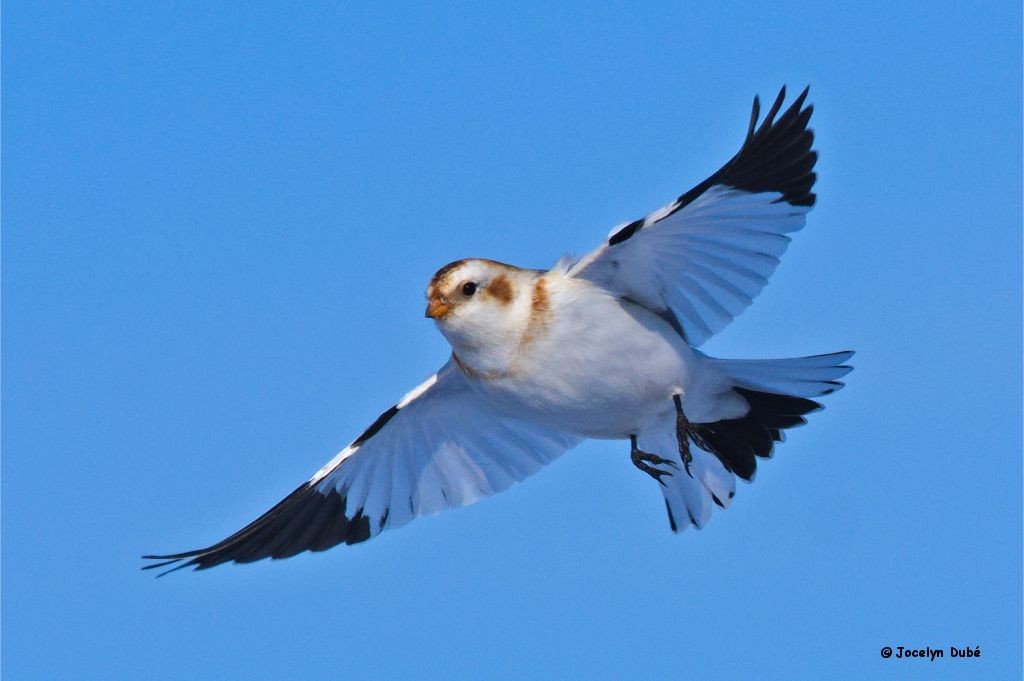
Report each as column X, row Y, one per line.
column 469, row 288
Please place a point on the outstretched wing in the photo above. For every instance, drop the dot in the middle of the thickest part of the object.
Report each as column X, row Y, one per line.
column 702, row 259
column 438, row 448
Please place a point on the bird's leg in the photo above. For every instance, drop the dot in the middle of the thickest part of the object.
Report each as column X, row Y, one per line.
column 641, row 459
column 683, row 430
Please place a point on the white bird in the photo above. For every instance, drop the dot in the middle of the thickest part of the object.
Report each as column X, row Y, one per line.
column 599, row 347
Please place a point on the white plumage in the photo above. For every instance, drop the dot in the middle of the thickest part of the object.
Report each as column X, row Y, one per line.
column 707, row 261
column 601, row 347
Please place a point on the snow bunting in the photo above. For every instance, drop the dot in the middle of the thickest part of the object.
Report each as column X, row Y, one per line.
column 603, row 346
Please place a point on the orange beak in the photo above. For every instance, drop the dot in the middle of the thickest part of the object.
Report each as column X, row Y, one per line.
column 436, row 308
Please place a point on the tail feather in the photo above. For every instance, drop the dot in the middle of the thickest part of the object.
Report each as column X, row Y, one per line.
column 777, row 392
column 798, row 376
column 690, row 500
column 738, row 442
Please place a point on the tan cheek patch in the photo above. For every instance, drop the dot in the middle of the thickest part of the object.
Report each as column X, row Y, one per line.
column 501, row 289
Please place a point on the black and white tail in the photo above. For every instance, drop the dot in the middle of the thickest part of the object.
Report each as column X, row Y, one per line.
column 778, row 392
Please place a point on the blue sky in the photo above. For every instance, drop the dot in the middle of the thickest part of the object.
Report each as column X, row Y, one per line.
column 217, row 229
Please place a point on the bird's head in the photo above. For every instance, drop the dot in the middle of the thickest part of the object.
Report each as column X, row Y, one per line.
column 481, row 307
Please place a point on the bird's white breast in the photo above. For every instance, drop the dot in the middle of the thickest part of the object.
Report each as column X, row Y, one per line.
column 594, row 366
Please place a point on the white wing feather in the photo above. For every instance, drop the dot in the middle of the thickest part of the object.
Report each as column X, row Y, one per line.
column 702, row 259
column 440, row 447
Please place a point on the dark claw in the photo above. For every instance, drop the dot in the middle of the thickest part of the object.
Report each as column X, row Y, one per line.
column 640, row 457
column 656, row 473
column 684, row 454
column 683, row 430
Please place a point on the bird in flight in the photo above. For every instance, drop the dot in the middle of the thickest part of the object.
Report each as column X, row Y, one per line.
column 603, row 346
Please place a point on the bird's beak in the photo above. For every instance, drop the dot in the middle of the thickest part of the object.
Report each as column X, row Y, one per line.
column 436, row 308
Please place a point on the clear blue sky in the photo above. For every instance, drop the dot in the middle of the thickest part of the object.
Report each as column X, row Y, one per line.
column 217, row 229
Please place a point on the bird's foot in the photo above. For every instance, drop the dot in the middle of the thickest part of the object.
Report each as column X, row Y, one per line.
column 684, row 429
column 642, row 459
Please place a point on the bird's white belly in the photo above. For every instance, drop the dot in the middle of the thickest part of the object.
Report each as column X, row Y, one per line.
column 602, row 369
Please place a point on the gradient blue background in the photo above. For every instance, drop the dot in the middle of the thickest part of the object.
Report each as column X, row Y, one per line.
column 218, row 225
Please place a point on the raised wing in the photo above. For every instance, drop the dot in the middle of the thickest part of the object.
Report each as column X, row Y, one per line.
column 438, row 448
column 702, row 259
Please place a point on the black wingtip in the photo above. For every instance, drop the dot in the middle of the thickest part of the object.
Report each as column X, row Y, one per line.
column 769, row 117
column 156, row 566
column 755, row 113
column 172, row 556
column 160, row 564
column 776, row 156
column 174, row 569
